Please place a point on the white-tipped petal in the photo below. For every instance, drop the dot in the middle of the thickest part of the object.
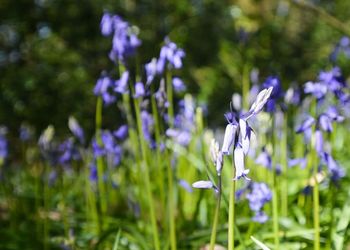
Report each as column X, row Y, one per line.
column 239, row 162
column 261, row 100
column 203, row 184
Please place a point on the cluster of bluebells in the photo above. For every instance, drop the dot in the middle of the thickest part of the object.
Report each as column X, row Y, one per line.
column 257, row 194
column 238, row 133
column 183, row 122
column 125, row 40
column 110, row 148
column 237, row 136
column 329, row 83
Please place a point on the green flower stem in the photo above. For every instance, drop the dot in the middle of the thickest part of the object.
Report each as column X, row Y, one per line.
column 231, row 215
column 158, row 154
column 169, row 91
column 46, row 209
column 171, row 206
column 275, row 212
column 100, row 167
column 216, row 217
column 315, row 193
column 284, row 162
column 147, row 176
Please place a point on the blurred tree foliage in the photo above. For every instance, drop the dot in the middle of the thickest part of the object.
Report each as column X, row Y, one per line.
column 52, row 52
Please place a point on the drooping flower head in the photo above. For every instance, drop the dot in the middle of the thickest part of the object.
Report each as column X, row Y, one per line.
column 171, row 54
column 125, row 40
column 104, row 88
column 238, row 132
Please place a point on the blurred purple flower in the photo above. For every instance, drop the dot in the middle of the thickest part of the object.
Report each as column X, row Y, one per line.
column 277, row 93
column 103, row 88
column 178, row 85
column 264, row 159
column 305, row 125
column 121, row 133
column 139, row 90
column 317, row 89
column 121, row 85
column 124, row 42
column 151, row 71
column 334, row 169
column 170, row 53
column 69, row 152
column 147, row 123
column 181, row 137
column 260, row 194
column 106, row 24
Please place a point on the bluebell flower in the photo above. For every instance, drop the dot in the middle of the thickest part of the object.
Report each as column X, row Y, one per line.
column 260, row 194
column 69, row 152
column 264, row 159
column 93, row 172
column 121, row 85
column 147, row 123
column 181, row 137
column 161, row 96
column 121, row 133
column 318, row 90
column 103, row 88
column 107, row 24
column 171, row 54
column 334, row 169
column 125, row 40
column 216, row 156
column 276, row 93
column 325, row 123
column 178, row 85
column 97, row 150
column 203, row 184
column 305, row 125
column 139, row 90
column 109, row 148
column 76, row 129
column 238, row 132
column 292, row 96
column 151, row 71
